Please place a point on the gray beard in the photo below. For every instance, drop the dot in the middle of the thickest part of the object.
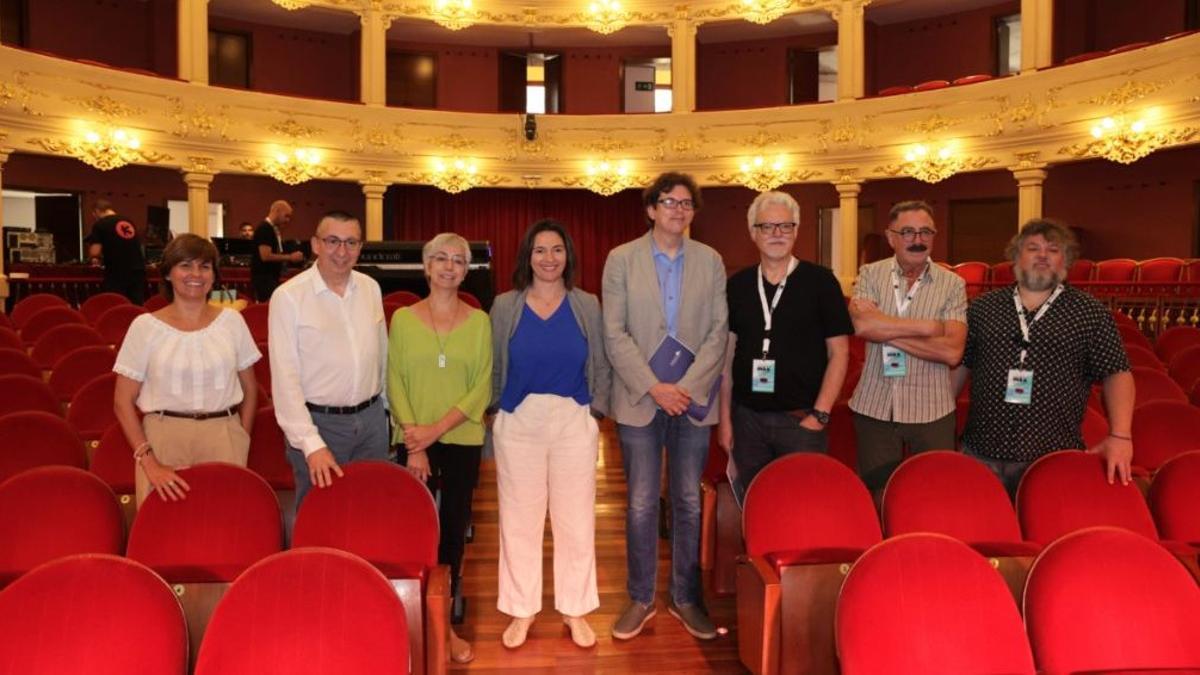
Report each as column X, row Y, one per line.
column 1035, row 282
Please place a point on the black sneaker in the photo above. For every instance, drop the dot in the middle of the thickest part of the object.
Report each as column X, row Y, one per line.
column 632, row 620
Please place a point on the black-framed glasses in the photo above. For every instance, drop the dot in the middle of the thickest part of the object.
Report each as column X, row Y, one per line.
column 909, row 234
column 780, row 228
column 672, row 203
column 350, row 244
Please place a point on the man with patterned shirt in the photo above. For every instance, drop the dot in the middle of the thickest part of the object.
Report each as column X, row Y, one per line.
column 1033, row 351
column 913, row 315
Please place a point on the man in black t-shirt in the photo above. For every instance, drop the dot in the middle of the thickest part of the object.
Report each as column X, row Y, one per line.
column 116, row 242
column 1033, row 351
column 267, row 266
column 788, row 347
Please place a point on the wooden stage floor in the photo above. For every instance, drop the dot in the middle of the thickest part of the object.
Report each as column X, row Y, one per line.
column 663, row 647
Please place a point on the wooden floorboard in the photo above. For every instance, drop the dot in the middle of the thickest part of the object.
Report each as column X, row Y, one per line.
column 663, row 647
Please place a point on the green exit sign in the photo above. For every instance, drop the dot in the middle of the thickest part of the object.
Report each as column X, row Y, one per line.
column 643, row 86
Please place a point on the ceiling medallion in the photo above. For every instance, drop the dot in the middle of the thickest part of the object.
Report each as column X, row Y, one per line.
column 765, row 11
column 292, row 5
column 454, row 14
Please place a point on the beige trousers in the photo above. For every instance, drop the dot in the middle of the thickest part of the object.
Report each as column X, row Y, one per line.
column 546, row 455
column 180, row 443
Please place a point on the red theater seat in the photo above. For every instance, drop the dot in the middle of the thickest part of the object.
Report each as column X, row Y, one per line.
column 932, row 84
column 927, row 603
column 1163, row 429
column 1155, row 385
column 1081, row 270
column 36, row 438
column 1109, row 600
column 1160, row 270
column 114, row 323
column 1184, row 367
column 98, row 304
column 1086, row 56
column 40, row 323
column 1140, row 357
column 113, row 463
column 1094, row 428
column 283, row 614
column 805, row 517
column 10, row 339
column 401, row 298
column 22, row 392
column 268, row 451
column 256, row 317
column 91, row 409
column 971, row 79
column 1174, row 340
column 1002, row 273
column 470, row 299
column 33, row 304
column 380, row 512
column 156, row 302
column 78, row 368
column 1116, row 270
column 62, row 340
column 1133, row 336
column 1172, row 498
column 1128, row 47
column 54, row 511
column 229, row 521
column 92, row 613
column 892, row 91
column 17, row 362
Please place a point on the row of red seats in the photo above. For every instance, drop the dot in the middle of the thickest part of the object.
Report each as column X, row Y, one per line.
column 229, row 523
column 1088, row 56
column 313, row 610
column 787, row 585
column 934, row 84
column 1116, row 270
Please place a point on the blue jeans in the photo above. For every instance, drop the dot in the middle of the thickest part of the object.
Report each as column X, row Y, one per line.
column 641, row 453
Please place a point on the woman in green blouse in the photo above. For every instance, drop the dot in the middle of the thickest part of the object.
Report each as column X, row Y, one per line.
column 439, row 383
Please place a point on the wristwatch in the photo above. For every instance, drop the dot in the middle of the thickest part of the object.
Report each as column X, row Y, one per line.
column 821, row 416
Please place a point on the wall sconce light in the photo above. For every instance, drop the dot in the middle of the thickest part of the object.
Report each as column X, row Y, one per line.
column 454, row 175
column 606, row 177
column 606, row 17
column 292, row 5
column 760, row 174
column 765, row 11
column 1124, row 141
column 453, row 14
column 105, row 147
column 929, row 165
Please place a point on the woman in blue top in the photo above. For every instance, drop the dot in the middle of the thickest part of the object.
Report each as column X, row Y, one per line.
column 550, row 382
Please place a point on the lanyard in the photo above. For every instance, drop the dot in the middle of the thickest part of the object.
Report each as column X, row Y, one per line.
column 1021, row 317
column 769, row 311
column 902, row 302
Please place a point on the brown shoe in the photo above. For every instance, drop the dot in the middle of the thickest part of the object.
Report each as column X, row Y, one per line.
column 632, row 620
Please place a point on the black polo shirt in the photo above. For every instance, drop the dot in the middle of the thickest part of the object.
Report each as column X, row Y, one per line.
column 1073, row 345
column 265, row 235
column 811, row 309
column 120, row 245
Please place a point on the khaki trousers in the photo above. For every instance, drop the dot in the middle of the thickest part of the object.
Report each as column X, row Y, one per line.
column 180, row 443
column 546, row 455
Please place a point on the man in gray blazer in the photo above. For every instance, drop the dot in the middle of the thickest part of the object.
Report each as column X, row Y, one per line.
column 665, row 288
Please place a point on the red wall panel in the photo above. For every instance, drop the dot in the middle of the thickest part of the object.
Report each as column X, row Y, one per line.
column 937, row 48
column 749, row 74
column 468, row 79
column 123, row 33
column 1095, row 25
column 722, row 223
column 592, row 77
column 298, row 62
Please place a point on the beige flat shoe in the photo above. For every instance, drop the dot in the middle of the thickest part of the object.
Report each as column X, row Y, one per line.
column 518, row 629
column 581, row 632
column 460, row 649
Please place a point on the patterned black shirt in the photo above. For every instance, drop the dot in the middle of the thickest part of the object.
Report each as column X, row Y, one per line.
column 1073, row 345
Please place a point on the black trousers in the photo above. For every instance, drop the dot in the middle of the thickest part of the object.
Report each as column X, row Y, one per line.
column 454, row 470
column 130, row 285
column 264, row 287
column 761, row 437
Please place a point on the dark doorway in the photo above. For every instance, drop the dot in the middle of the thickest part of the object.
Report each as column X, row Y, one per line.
column 59, row 215
column 981, row 228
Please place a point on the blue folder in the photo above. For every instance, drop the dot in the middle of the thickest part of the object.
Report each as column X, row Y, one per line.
column 670, row 362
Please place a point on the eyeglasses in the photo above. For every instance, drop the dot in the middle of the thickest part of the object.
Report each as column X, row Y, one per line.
column 910, row 234
column 780, row 228
column 672, row 203
column 350, row 244
column 442, row 259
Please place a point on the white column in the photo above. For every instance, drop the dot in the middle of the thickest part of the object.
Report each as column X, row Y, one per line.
column 197, row 189
column 851, row 48
column 374, row 193
column 1030, row 179
column 373, row 57
column 1037, row 34
column 193, row 41
column 682, row 32
column 846, row 265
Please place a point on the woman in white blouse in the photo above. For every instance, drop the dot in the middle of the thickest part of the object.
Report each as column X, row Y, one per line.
column 188, row 369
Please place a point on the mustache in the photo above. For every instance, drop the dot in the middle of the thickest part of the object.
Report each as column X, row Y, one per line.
column 917, row 248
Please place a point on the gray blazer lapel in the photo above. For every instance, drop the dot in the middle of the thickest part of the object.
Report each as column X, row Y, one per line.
column 644, row 261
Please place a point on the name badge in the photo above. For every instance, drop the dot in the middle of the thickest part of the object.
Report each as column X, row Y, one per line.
column 763, row 371
column 1020, row 387
column 895, row 362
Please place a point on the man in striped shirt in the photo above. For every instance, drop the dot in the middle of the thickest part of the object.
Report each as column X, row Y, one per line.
column 912, row 313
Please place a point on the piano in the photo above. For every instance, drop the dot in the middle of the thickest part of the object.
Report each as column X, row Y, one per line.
column 397, row 266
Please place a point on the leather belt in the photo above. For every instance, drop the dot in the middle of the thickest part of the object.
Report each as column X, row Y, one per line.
column 198, row 416
column 343, row 409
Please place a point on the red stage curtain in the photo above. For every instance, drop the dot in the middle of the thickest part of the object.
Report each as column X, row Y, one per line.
column 501, row 216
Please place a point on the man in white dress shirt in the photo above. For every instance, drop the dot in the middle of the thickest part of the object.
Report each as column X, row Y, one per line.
column 328, row 350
